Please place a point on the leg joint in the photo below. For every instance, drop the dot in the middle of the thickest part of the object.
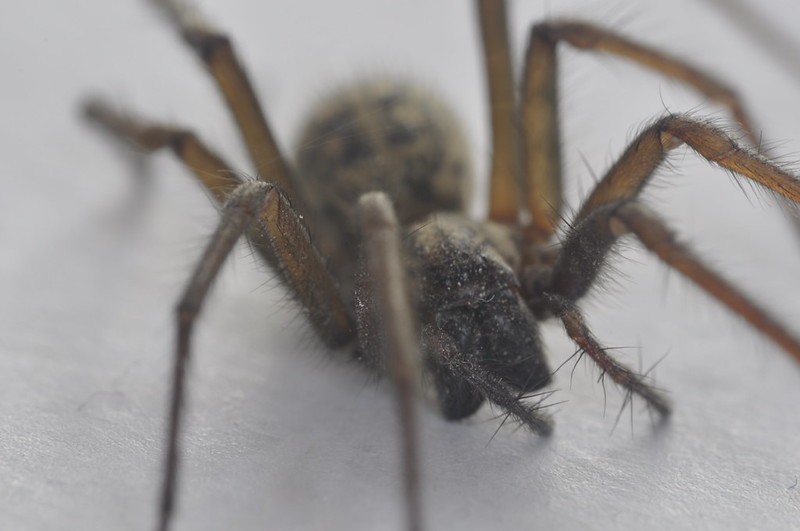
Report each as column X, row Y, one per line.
column 206, row 43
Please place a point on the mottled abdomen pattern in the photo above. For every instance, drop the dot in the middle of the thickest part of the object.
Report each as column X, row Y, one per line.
column 378, row 135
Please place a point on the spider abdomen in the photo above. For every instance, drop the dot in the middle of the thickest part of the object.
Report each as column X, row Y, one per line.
column 384, row 136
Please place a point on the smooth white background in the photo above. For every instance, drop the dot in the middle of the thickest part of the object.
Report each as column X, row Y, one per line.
column 94, row 250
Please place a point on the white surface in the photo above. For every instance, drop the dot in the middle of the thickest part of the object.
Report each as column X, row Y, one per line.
column 282, row 436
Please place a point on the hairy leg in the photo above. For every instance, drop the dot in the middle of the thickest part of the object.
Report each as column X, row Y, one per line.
column 588, row 244
column 539, row 107
column 209, row 168
column 629, row 380
column 636, row 166
column 216, row 51
column 655, row 235
column 387, row 330
column 261, row 204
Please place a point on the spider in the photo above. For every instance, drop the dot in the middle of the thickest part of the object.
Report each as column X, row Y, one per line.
column 367, row 228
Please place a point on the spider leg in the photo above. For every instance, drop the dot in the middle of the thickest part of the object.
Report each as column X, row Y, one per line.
column 532, row 162
column 209, row 168
column 601, row 220
column 387, row 330
column 586, row 36
column 631, row 381
column 303, row 269
column 582, row 256
column 504, row 203
column 539, row 106
column 633, row 170
column 447, row 358
column 236, row 216
column 656, row 236
column 252, row 202
column 541, row 151
column 216, row 51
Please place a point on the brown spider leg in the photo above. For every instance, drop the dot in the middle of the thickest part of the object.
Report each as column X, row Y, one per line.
column 779, row 45
column 252, row 202
column 304, row 270
column 387, row 329
column 504, row 205
column 488, row 384
column 656, row 236
column 236, row 216
column 632, row 382
column 589, row 242
column 581, row 259
column 574, row 272
column 633, row 170
column 582, row 252
column 541, row 142
column 209, row 168
column 541, row 153
column 216, row 51
column 589, row 37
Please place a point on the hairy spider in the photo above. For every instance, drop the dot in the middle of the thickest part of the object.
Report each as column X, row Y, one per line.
column 452, row 302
